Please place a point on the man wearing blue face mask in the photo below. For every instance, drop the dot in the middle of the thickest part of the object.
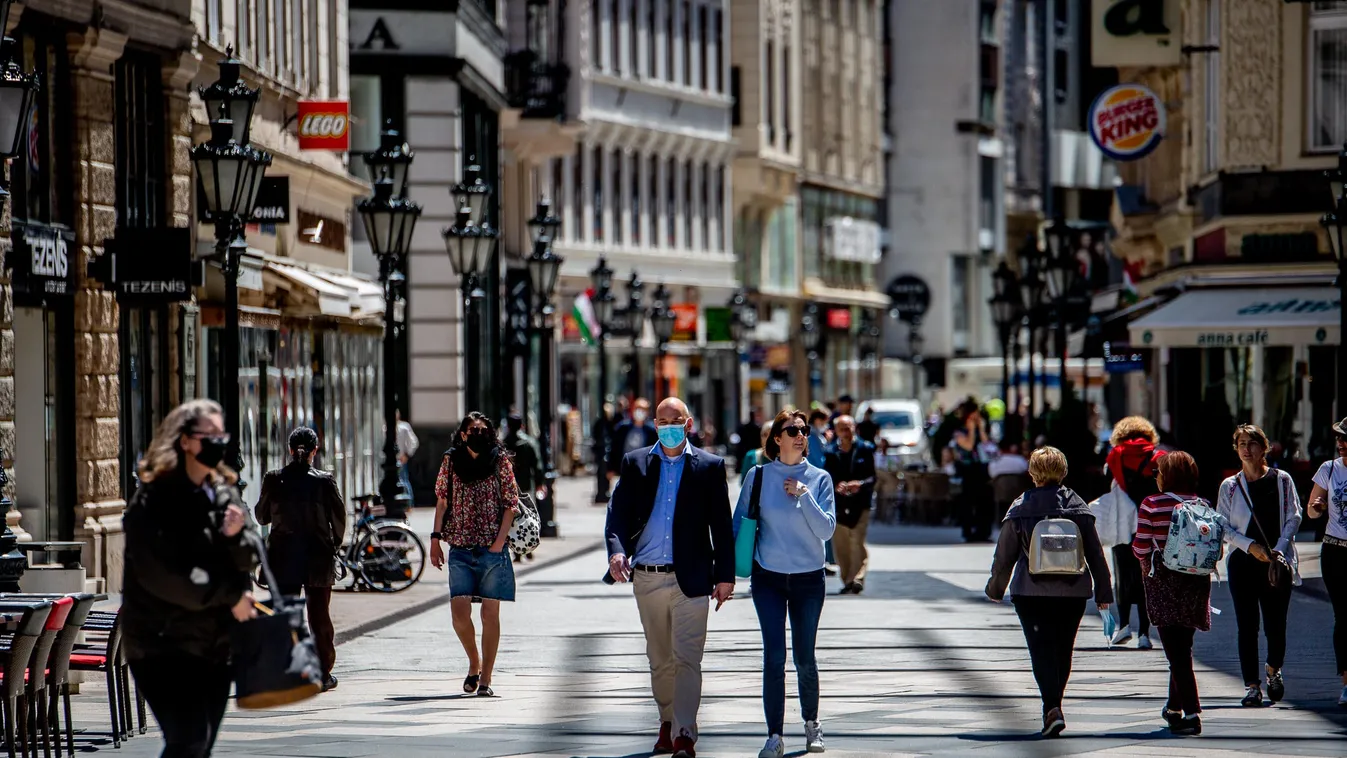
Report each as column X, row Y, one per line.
column 669, row 532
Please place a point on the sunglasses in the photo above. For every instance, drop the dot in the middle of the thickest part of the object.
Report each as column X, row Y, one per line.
column 794, row 431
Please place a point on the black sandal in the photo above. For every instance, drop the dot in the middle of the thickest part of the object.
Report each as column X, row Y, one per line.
column 470, row 684
column 485, row 691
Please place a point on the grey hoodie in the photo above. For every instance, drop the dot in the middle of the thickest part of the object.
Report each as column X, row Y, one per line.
column 1028, row 509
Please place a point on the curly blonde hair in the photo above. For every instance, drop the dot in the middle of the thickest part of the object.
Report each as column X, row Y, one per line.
column 1133, row 427
column 164, row 455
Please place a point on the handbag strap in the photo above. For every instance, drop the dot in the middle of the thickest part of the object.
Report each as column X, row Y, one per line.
column 1239, row 482
column 259, row 547
column 755, row 497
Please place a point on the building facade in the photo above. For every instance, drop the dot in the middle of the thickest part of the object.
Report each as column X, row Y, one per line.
column 1221, row 227
column 648, row 188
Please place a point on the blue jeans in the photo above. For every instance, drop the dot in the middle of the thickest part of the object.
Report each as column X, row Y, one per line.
column 801, row 597
column 406, row 481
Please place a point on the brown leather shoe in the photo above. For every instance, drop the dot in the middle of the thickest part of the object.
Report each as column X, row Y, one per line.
column 683, row 748
column 665, row 743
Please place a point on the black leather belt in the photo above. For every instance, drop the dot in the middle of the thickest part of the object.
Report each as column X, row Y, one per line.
column 653, row 569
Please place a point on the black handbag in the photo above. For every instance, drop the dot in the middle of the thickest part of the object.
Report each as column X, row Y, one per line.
column 275, row 661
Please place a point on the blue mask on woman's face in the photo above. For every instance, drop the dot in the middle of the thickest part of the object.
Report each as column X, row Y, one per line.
column 672, row 436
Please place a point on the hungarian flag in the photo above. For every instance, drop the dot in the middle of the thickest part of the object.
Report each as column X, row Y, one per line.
column 1131, row 274
column 590, row 329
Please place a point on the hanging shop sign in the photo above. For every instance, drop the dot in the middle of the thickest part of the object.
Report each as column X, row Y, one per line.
column 685, row 322
column 149, row 265
column 838, row 318
column 42, row 265
column 324, row 125
column 909, row 297
column 273, row 202
column 1135, row 33
column 1127, row 122
column 851, row 239
column 1120, row 358
column 718, row 324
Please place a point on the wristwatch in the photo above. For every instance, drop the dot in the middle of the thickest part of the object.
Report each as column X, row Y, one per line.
column 436, row 536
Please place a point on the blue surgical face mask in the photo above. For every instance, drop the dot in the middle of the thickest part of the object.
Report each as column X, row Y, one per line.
column 672, row 436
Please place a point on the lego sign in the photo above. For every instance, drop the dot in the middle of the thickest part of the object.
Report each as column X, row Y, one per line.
column 324, row 125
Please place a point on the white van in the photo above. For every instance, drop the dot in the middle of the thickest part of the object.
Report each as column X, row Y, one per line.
column 901, row 423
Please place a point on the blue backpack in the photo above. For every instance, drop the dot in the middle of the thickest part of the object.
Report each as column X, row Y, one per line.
column 1196, row 537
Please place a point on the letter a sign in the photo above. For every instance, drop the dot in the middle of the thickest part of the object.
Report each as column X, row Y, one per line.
column 1135, row 33
column 324, row 125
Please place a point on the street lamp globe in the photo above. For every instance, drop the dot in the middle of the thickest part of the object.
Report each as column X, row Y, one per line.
column 636, row 304
column 473, row 192
column 231, row 94
column 1060, row 261
column 544, row 224
column 663, row 319
column 389, row 220
column 1337, row 177
column 916, row 344
column 601, row 276
column 544, row 269
column 1334, row 224
column 393, row 159
column 17, row 91
column 229, row 174
column 810, row 334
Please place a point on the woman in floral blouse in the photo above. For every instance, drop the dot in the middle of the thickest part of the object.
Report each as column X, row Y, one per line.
column 476, row 502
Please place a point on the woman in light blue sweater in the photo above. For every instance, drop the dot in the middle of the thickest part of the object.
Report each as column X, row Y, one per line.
column 796, row 516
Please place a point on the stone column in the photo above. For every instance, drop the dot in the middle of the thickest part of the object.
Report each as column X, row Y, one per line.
column 99, row 508
column 178, row 74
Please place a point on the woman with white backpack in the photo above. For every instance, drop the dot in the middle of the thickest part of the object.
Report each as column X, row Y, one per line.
column 1264, row 512
column 1178, row 599
column 1049, row 557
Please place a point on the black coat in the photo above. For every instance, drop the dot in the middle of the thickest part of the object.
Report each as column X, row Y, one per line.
column 703, row 527
column 182, row 576
column 856, row 466
column 618, row 440
column 308, row 519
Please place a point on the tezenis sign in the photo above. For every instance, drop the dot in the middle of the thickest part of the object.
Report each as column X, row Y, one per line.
column 41, row 262
column 148, row 265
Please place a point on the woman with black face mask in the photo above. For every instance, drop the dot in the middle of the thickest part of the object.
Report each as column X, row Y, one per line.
column 476, row 501
column 187, row 577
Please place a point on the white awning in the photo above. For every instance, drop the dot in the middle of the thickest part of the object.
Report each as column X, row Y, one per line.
column 1242, row 317
column 333, row 300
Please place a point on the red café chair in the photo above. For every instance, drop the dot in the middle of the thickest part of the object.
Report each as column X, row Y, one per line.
column 15, row 659
column 34, row 707
column 58, row 669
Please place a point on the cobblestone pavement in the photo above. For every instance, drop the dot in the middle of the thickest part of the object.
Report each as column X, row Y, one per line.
column 918, row 665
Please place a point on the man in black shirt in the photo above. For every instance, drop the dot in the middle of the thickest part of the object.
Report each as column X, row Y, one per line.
column 851, row 463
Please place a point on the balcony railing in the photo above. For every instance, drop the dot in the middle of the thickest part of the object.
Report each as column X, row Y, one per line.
column 536, row 87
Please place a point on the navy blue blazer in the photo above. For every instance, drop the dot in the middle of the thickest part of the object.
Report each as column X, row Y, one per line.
column 618, row 440
column 703, row 524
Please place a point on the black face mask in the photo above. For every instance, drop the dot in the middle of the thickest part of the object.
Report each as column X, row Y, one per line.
column 479, row 442
column 212, row 451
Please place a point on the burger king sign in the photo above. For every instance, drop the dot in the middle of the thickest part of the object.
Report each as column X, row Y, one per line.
column 1127, row 122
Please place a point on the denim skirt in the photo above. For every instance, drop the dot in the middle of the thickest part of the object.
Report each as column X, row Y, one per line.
column 479, row 573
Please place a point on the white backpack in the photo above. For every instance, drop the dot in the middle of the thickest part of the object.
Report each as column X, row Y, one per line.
column 1056, row 548
column 1196, row 534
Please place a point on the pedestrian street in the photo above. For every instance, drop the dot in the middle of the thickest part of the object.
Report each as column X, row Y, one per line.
column 920, row 664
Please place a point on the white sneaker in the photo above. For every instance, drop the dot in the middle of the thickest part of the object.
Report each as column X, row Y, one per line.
column 1342, row 699
column 1144, row 642
column 775, row 748
column 813, row 736
column 1122, row 635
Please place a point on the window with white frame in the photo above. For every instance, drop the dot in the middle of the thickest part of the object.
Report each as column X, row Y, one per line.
column 1327, row 125
column 213, row 10
column 244, row 43
column 1211, row 89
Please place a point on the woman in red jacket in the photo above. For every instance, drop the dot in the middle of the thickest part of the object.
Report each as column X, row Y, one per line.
column 1131, row 462
column 1179, row 604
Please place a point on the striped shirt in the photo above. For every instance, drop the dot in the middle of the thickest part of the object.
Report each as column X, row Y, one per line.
column 1153, row 517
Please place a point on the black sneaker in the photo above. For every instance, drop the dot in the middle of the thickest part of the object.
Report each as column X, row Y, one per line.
column 1276, row 688
column 329, row 683
column 846, row 590
column 1172, row 718
column 1187, row 726
column 857, row 588
column 1253, row 697
column 1053, row 723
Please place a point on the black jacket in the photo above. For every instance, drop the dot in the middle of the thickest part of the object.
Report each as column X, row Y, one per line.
column 1012, row 554
column 182, row 576
column 703, row 527
column 528, row 467
column 308, row 519
column 856, row 466
column 617, row 441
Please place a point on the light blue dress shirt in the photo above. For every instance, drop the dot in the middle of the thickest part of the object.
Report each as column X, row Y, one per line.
column 655, row 546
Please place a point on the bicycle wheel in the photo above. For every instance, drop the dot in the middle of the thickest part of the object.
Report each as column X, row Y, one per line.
column 391, row 558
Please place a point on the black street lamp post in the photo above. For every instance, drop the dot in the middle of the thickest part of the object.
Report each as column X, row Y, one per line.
column 1061, row 275
column 743, row 320
column 1336, row 225
column 662, row 319
column 17, row 90
column 1006, row 313
column 544, row 268
column 811, row 335
column 915, row 343
column 1031, row 284
column 601, row 277
column 229, row 173
column 470, row 242
column 636, row 322
column 868, row 339
column 389, row 219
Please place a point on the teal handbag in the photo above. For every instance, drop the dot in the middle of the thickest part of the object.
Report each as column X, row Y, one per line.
column 746, row 541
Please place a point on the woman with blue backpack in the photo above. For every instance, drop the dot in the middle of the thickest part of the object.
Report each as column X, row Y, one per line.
column 1177, row 577
column 1048, row 541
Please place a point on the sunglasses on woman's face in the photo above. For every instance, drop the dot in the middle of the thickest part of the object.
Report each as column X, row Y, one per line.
column 793, row 431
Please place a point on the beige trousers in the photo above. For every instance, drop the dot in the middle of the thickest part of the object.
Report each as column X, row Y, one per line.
column 849, row 547
column 675, row 638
